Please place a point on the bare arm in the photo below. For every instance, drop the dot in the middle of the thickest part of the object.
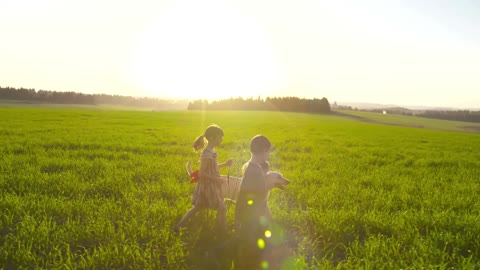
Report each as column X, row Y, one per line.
column 227, row 163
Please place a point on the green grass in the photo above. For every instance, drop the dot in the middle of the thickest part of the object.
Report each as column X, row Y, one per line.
column 101, row 189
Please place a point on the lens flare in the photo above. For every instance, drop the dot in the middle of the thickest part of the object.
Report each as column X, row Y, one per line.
column 250, row 202
column 263, row 220
column 268, row 233
column 261, row 243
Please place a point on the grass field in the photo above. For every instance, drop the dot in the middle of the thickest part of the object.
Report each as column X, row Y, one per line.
column 412, row 121
column 101, row 189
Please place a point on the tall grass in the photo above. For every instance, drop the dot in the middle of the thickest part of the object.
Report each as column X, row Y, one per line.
column 102, row 189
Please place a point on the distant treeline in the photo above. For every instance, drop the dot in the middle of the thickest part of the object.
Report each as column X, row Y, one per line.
column 80, row 98
column 467, row 116
column 290, row 104
column 453, row 115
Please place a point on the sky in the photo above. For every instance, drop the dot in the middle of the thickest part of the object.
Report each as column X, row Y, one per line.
column 410, row 52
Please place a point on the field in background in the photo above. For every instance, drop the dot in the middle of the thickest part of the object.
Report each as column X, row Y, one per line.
column 102, row 189
column 12, row 103
column 411, row 121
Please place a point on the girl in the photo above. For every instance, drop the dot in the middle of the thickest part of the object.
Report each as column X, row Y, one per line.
column 208, row 192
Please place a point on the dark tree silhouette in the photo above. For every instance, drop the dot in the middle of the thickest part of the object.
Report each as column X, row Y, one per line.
column 459, row 115
column 452, row 115
column 291, row 104
column 80, row 98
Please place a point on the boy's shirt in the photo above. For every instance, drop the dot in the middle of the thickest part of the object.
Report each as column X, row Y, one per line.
column 252, row 197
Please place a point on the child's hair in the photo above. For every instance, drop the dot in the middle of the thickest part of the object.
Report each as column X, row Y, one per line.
column 211, row 132
column 260, row 144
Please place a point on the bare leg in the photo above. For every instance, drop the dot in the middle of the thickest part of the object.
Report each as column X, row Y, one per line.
column 222, row 218
column 187, row 216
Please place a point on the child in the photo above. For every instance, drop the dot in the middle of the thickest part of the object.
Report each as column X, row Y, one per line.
column 252, row 215
column 208, row 192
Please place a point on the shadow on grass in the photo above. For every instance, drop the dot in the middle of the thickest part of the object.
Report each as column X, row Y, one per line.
column 208, row 248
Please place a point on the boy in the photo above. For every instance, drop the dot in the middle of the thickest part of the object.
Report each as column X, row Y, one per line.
column 252, row 214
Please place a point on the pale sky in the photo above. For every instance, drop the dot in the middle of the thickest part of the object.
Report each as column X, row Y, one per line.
column 407, row 52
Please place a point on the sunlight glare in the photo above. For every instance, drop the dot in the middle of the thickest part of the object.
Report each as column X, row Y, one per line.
column 205, row 50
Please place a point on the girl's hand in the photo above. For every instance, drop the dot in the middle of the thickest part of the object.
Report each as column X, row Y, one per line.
column 229, row 162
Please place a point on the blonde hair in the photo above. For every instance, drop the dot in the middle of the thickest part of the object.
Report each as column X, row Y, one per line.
column 211, row 132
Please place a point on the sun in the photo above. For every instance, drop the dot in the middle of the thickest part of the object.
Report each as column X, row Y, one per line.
column 205, row 49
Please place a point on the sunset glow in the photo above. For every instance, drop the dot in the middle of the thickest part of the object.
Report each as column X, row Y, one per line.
column 205, row 50
column 391, row 52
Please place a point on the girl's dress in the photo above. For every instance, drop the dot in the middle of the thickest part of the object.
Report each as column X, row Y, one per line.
column 208, row 192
